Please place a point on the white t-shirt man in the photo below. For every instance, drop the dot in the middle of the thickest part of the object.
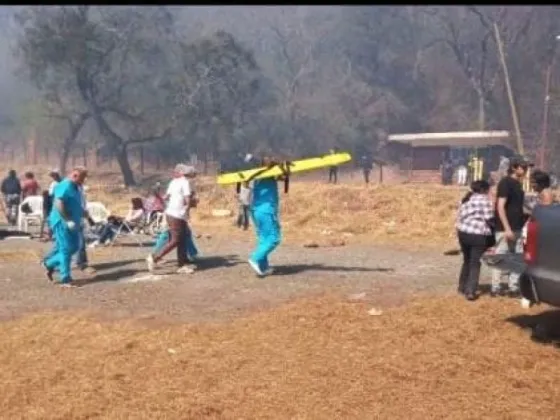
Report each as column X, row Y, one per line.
column 178, row 192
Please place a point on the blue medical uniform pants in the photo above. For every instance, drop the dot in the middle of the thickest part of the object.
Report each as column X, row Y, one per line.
column 269, row 236
column 66, row 243
column 164, row 237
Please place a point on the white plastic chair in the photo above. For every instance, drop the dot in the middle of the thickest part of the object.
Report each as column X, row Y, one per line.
column 35, row 203
column 98, row 212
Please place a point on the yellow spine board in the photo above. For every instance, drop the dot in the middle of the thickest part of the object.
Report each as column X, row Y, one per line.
column 302, row 165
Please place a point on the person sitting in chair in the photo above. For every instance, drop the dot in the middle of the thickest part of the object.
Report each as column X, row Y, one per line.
column 114, row 223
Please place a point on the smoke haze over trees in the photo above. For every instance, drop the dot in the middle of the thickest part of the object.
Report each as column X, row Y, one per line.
column 217, row 81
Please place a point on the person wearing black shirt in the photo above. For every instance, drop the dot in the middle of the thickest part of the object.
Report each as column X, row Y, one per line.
column 510, row 219
column 11, row 189
column 367, row 165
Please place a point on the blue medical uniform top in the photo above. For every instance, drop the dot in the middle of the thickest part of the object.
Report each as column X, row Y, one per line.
column 265, row 195
column 69, row 194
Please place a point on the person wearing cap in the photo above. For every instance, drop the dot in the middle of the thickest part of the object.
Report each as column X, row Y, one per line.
column 164, row 237
column 64, row 220
column 510, row 219
column 179, row 199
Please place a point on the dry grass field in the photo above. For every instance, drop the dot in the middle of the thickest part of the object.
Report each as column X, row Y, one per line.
column 315, row 357
column 320, row 358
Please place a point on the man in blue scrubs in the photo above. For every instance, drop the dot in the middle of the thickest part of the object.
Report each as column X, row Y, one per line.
column 65, row 221
column 264, row 210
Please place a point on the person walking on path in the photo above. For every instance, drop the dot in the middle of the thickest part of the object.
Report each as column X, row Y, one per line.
column 264, row 211
column 64, row 220
column 475, row 235
column 178, row 195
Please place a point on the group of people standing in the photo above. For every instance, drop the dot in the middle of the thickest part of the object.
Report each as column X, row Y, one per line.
column 366, row 165
column 15, row 191
column 485, row 222
column 464, row 171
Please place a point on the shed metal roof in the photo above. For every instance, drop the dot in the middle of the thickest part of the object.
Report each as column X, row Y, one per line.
column 454, row 139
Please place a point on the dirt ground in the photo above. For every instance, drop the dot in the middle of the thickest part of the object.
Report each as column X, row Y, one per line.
column 364, row 330
column 223, row 286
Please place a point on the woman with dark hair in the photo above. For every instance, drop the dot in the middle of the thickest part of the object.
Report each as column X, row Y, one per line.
column 540, row 181
column 475, row 235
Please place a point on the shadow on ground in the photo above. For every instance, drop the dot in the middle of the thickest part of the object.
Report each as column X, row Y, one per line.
column 209, row 263
column 544, row 327
column 143, row 244
column 286, row 270
column 112, row 276
column 114, row 264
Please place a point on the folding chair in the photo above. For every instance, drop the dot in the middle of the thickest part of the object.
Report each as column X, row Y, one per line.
column 126, row 228
column 35, row 203
column 137, row 204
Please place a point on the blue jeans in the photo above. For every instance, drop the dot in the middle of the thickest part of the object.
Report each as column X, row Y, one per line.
column 66, row 243
column 164, row 237
column 269, row 236
column 107, row 233
column 82, row 260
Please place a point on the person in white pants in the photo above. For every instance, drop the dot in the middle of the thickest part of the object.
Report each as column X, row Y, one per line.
column 462, row 175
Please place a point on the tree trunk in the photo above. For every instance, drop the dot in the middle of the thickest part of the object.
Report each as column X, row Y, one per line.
column 124, row 165
column 481, row 112
column 64, row 160
column 84, row 157
column 141, row 160
column 205, row 167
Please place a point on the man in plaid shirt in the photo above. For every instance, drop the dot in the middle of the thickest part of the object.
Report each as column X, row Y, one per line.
column 474, row 233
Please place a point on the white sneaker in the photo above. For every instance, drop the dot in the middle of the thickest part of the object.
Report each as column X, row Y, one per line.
column 151, row 263
column 93, row 244
column 255, row 267
column 186, row 269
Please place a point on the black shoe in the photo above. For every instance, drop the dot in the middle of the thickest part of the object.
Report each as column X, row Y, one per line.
column 471, row 297
column 48, row 271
